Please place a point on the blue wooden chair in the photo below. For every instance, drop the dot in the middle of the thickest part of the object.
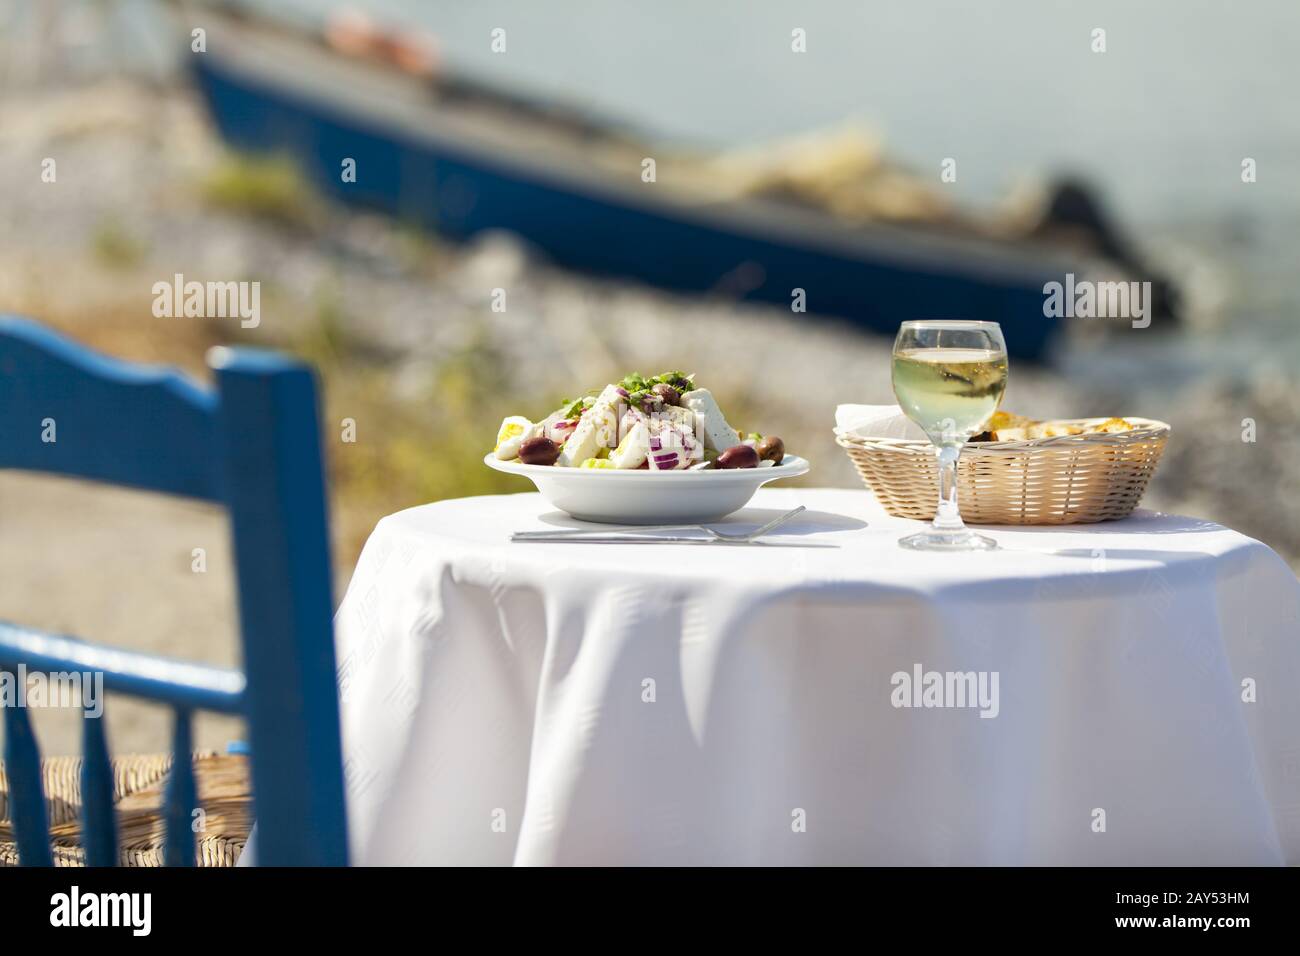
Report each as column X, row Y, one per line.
column 253, row 445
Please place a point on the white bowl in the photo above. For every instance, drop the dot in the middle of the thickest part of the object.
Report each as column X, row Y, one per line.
column 649, row 497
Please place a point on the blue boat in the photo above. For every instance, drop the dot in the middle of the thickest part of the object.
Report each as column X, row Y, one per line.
column 279, row 90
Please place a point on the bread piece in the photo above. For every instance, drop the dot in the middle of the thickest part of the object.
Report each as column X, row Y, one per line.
column 1002, row 423
column 1110, row 426
column 1053, row 429
column 1000, row 420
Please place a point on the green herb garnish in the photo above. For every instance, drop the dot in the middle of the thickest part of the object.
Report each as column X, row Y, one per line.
column 637, row 385
column 678, row 380
column 577, row 407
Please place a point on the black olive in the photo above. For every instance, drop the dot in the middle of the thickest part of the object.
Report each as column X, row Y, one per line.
column 771, row 449
column 741, row 456
column 538, row 451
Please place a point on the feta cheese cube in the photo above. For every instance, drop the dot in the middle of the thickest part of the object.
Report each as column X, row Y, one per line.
column 709, row 423
column 597, row 429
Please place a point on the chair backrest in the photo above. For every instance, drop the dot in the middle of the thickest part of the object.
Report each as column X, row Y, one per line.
column 252, row 445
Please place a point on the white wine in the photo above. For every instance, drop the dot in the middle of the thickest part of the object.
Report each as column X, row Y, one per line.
column 949, row 377
column 949, row 392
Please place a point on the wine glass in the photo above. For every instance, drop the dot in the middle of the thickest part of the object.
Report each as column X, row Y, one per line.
column 949, row 377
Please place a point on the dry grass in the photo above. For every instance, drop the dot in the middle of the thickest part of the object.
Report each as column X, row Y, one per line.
column 269, row 188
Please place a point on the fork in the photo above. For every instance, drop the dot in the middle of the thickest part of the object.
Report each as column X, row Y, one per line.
column 597, row 535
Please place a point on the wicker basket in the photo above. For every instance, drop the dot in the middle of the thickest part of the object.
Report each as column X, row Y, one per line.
column 1069, row 479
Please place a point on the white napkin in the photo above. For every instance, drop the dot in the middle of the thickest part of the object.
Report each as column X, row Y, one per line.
column 875, row 421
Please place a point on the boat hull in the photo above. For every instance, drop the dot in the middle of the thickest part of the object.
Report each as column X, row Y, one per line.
column 874, row 280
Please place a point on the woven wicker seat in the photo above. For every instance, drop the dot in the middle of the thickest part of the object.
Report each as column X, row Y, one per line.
column 138, row 783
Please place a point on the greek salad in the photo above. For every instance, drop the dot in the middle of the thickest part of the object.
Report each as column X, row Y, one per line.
column 664, row 423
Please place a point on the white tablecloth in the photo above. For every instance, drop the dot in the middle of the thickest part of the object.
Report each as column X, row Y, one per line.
column 700, row 704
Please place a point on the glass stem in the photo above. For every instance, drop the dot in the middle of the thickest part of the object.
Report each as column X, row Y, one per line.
column 947, row 517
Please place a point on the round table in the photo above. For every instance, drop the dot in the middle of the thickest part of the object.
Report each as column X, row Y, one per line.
column 1124, row 693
